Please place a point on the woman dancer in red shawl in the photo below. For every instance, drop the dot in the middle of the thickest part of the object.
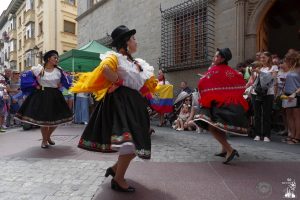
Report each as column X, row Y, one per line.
column 223, row 108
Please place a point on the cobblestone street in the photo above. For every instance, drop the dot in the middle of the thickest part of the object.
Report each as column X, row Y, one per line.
column 67, row 172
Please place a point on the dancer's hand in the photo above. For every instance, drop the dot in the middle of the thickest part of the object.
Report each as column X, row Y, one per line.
column 112, row 88
column 115, row 85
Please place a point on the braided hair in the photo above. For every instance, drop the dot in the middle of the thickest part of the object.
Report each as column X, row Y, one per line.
column 122, row 44
column 46, row 56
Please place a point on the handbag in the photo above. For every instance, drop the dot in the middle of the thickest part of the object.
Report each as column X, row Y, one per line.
column 287, row 103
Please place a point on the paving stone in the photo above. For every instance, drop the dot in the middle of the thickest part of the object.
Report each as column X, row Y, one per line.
column 27, row 177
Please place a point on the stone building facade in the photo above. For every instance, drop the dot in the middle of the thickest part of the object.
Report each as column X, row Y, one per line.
column 240, row 25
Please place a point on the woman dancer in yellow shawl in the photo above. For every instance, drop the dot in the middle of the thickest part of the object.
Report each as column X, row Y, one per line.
column 120, row 120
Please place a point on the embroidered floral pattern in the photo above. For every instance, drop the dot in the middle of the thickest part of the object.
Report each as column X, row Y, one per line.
column 143, row 153
column 210, row 74
column 226, row 127
column 85, row 144
column 125, row 137
column 42, row 123
column 229, row 74
column 224, row 88
column 119, row 139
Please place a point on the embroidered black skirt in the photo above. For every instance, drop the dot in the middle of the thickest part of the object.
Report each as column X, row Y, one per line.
column 45, row 107
column 227, row 118
column 120, row 117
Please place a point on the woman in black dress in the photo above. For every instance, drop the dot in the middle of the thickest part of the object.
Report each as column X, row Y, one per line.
column 46, row 106
column 223, row 108
column 120, row 120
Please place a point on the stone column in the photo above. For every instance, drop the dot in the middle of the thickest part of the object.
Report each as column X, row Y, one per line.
column 240, row 30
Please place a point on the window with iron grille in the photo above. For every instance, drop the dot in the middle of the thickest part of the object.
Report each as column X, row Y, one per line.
column 187, row 35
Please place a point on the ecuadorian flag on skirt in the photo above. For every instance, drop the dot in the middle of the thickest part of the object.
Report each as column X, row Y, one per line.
column 162, row 100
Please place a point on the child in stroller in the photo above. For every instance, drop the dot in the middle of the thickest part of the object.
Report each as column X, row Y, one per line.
column 191, row 101
column 184, row 114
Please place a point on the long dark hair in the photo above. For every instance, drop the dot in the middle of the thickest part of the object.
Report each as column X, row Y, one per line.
column 122, row 44
column 46, row 61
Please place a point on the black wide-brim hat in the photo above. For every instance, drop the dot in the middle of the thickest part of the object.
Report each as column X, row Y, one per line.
column 225, row 53
column 119, row 33
column 49, row 54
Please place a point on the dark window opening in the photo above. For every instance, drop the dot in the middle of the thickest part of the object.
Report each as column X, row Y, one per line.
column 69, row 27
column 187, row 36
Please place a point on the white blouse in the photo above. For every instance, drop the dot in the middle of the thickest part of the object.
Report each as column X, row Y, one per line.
column 49, row 79
column 128, row 71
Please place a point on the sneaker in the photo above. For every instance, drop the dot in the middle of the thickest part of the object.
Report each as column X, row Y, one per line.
column 257, row 138
column 266, row 139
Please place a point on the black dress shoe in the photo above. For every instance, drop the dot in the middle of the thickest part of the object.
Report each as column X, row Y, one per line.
column 115, row 186
column 222, row 154
column 51, row 142
column 110, row 171
column 232, row 155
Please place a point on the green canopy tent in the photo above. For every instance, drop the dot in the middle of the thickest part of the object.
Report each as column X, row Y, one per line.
column 84, row 59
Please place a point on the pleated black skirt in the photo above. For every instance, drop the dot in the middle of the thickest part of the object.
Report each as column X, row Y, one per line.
column 227, row 118
column 120, row 117
column 45, row 107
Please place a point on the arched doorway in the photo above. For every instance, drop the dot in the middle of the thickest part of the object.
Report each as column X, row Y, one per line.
column 279, row 29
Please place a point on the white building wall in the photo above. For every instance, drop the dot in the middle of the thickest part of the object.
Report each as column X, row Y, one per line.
column 5, row 49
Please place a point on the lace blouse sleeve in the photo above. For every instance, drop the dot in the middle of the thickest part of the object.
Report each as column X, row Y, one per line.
column 36, row 69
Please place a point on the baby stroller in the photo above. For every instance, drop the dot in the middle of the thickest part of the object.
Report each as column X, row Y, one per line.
column 179, row 101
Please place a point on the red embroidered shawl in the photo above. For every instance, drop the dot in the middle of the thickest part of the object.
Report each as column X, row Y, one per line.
column 223, row 85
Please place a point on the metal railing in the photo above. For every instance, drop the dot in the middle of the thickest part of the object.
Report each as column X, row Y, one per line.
column 187, row 35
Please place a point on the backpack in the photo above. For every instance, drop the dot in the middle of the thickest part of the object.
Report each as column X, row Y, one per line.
column 259, row 90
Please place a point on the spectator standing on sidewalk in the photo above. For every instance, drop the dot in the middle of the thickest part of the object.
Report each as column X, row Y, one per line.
column 3, row 99
column 223, row 107
column 7, row 75
column 46, row 106
column 292, row 90
column 82, row 108
column 162, row 81
column 13, row 88
column 69, row 97
column 263, row 99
